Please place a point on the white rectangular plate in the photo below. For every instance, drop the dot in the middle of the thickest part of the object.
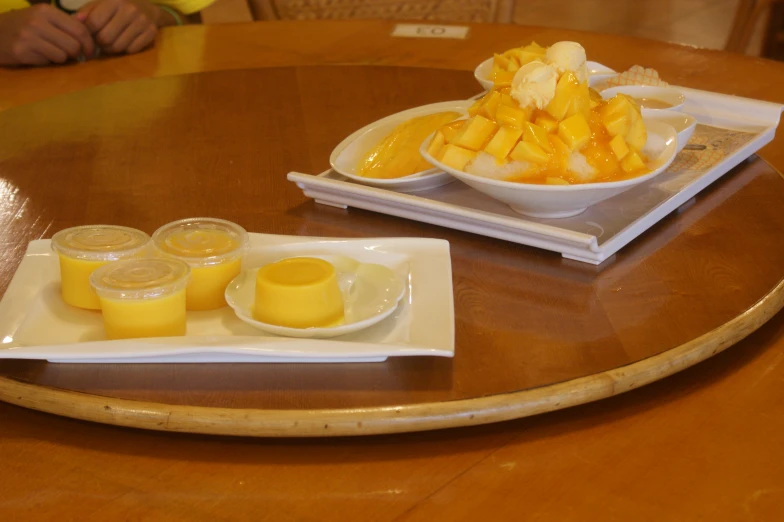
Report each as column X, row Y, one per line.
column 730, row 129
column 35, row 323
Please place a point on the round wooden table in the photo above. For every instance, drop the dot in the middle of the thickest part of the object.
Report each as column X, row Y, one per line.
column 701, row 443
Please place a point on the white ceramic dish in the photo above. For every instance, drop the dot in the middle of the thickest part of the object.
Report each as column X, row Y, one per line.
column 596, row 73
column 684, row 124
column 668, row 95
column 603, row 230
column 561, row 201
column 346, row 155
column 36, row 324
column 371, row 293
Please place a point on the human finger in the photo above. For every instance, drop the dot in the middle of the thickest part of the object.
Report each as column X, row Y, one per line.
column 129, row 34
column 75, row 29
column 143, row 40
column 48, row 50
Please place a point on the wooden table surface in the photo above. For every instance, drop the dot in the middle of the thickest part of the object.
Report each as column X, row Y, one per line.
column 702, row 444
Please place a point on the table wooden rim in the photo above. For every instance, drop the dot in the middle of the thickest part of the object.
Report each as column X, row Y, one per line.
column 392, row 419
column 381, row 419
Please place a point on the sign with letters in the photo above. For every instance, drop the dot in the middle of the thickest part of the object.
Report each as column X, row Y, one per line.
column 459, row 32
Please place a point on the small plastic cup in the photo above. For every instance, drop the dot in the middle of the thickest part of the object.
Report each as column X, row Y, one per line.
column 84, row 249
column 142, row 297
column 214, row 249
column 299, row 292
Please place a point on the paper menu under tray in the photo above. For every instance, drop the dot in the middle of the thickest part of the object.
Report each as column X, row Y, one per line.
column 729, row 130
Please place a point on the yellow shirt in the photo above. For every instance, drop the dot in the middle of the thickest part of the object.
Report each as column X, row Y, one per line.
column 183, row 6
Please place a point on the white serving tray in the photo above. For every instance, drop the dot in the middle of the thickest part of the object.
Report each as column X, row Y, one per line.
column 35, row 323
column 730, row 129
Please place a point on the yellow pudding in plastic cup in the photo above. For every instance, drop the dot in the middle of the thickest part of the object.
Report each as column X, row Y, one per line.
column 299, row 292
column 213, row 248
column 142, row 297
column 84, row 249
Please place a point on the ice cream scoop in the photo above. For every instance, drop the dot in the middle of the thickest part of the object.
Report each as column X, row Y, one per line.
column 534, row 84
column 568, row 56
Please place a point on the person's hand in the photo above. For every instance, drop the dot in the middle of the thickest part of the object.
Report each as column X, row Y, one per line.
column 121, row 26
column 40, row 35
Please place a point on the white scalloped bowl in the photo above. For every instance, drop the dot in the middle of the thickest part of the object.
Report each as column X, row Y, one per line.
column 596, row 73
column 561, row 201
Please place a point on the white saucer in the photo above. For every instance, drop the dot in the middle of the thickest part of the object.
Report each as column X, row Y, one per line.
column 347, row 154
column 371, row 293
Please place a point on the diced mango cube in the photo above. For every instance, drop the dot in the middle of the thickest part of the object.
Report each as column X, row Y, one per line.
column 566, row 89
column 473, row 110
column 501, row 61
column 475, row 133
column 511, row 116
column 618, row 103
column 506, row 99
column 619, row 115
column 550, row 180
column 501, row 78
column 525, row 56
column 486, row 105
column 637, row 136
column 456, row 157
column 503, row 142
column 632, row 162
column 619, row 147
column 450, row 130
column 513, row 66
column 547, row 122
column 617, row 123
column 581, row 101
column 594, row 95
column 488, row 108
column 531, row 152
column 575, row 132
column 560, row 149
column 535, row 48
column 436, row 144
column 536, row 134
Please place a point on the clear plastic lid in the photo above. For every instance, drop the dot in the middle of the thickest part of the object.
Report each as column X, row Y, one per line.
column 201, row 241
column 145, row 278
column 100, row 242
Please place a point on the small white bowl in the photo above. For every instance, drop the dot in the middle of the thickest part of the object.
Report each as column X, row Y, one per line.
column 596, row 73
column 347, row 154
column 684, row 124
column 371, row 293
column 482, row 74
column 668, row 95
column 561, row 201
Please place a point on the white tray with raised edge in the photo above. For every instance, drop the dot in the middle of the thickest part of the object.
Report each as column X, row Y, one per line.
column 729, row 126
column 35, row 323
